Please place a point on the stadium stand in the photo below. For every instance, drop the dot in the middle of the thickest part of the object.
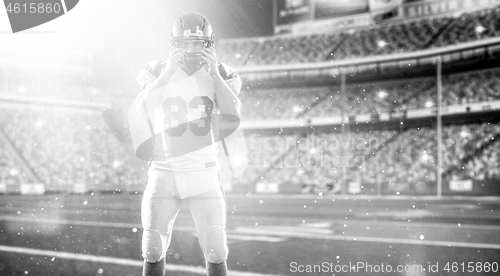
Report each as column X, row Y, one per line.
column 52, row 85
column 377, row 40
column 87, row 147
column 402, row 162
column 65, row 146
column 11, row 173
column 373, row 97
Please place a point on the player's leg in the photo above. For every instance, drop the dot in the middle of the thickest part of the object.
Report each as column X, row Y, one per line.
column 159, row 209
column 209, row 214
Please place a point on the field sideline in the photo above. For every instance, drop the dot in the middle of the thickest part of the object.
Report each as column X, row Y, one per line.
column 266, row 233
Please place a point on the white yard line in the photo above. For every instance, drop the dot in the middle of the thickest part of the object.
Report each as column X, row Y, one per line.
column 366, row 222
column 319, row 223
column 272, row 232
column 116, row 261
column 295, row 234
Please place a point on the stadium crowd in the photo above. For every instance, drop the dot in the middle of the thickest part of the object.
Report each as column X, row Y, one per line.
column 11, row 172
column 368, row 98
column 375, row 40
column 67, row 146
column 401, row 161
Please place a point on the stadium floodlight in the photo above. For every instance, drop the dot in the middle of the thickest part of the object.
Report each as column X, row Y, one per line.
column 21, row 89
column 480, row 29
column 382, row 94
column 381, row 43
column 39, row 124
column 117, row 164
column 425, row 156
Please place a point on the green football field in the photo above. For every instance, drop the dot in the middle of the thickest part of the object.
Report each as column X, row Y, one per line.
column 267, row 235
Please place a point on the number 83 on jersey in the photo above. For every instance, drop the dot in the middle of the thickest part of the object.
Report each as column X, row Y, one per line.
column 182, row 115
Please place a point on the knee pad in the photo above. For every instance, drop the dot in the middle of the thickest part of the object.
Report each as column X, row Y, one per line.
column 154, row 245
column 215, row 247
column 217, row 257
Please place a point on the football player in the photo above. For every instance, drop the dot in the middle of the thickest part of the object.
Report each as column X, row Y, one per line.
column 196, row 86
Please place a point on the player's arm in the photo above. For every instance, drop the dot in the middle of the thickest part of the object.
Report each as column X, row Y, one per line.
column 150, row 95
column 227, row 99
column 149, row 84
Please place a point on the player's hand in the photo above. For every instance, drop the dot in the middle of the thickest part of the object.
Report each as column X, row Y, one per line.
column 173, row 60
column 209, row 56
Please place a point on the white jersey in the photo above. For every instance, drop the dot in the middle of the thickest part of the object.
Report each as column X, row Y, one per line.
column 183, row 117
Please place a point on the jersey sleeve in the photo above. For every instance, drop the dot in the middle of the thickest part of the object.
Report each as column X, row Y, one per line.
column 231, row 77
column 150, row 72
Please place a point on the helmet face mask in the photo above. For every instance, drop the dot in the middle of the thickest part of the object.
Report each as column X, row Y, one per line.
column 193, row 33
column 191, row 45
